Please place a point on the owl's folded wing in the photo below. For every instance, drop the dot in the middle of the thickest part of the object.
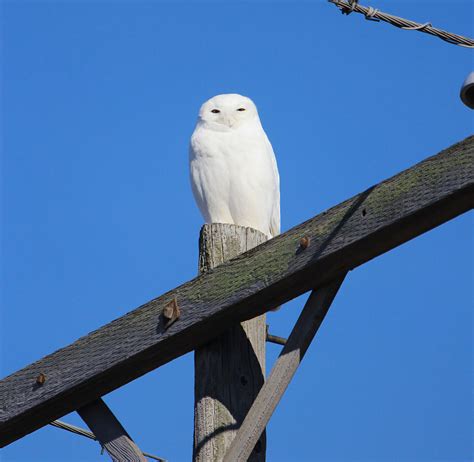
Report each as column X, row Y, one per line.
column 275, row 217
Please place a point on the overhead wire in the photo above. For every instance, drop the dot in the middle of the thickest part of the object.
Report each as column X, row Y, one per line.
column 373, row 14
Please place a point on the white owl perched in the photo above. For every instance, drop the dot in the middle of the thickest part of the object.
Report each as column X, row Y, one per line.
column 234, row 175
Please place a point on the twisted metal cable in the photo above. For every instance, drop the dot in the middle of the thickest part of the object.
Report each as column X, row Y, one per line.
column 80, row 431
column 374, row 14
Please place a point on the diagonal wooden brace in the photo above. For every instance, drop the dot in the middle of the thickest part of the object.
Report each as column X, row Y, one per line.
column 283, row 371
column 110, row 433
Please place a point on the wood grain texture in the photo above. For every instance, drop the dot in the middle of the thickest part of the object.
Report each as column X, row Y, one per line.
column 230, row 370
column 282, row 372
column 342, row 238
column 110, row 433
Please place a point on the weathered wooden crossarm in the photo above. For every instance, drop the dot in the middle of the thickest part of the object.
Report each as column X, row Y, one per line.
column 338, row 240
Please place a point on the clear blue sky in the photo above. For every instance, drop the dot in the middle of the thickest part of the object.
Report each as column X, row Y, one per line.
column 99, row 100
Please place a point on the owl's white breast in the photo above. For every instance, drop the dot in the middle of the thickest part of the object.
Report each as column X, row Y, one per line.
column 233, row 176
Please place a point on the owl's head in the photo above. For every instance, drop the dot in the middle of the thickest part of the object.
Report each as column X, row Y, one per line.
column 225, row 112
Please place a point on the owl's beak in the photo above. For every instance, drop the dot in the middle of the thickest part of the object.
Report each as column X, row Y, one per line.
column 229, row 121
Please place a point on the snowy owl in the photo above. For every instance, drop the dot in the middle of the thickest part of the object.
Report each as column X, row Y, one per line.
column 234, row 175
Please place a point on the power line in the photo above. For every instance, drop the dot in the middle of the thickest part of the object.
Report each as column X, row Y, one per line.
column 373, row 14
column 82, row 432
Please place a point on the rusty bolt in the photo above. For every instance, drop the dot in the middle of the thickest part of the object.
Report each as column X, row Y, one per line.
column 171, row 312
column 41, row 379
column 304, row 242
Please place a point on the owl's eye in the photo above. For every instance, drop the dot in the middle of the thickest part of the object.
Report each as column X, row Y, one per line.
column 241, row 109
column 215, row 111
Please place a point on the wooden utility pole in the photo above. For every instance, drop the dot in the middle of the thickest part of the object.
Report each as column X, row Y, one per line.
column 229, row 371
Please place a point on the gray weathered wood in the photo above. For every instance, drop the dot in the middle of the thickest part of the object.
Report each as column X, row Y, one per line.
column 230, row 370
column 87, row 434
column 342, row 238
column 282, row 372
column 110, row 433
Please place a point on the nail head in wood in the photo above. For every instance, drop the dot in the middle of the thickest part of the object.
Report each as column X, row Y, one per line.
column 41, row 379
column 171, row 312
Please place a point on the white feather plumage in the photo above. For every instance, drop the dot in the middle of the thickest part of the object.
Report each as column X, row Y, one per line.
column 234, row 174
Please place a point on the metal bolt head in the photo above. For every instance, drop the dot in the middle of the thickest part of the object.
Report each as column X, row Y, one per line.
column 171, row 312
column 304, row 242
column 41, row 379
column 171, row 309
